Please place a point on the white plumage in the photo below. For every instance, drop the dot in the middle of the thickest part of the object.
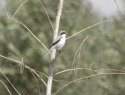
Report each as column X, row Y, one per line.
column 59, row 42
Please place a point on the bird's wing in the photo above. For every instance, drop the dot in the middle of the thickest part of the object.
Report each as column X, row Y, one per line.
column 56, row 41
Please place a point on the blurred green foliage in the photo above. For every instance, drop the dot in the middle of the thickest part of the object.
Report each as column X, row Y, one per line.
column 104, row 48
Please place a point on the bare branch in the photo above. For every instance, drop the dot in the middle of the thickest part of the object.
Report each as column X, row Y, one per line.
column 53, row 54
column 102, row 69
column 59, row 11
column 67, row 70
column 36, row 81
column 88, row 28
column 11, row 84
column 90, row 69
column 25, row 67
column 18, row 9
column 6, row 87
column 47, row 14
column 117, row 6
column 22, row 66
column 77, row 51
column 7, row 13
column 31, row 33
column 91, row 65
column 11, row 59
column 38, row 76
column 87, row 77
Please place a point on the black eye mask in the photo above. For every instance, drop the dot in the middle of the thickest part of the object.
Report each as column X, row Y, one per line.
column 62, row 33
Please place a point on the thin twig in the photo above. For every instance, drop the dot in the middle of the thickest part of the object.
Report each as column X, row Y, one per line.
column 67, row 70
column 22, row 66
column 88, row 28
column 6, row 87
column 87, row 77
column 7, row 13
column 90, row 69
column 36, row 81
column 19, row 8
column 47, row 14
column 19, row 22
column 25, row 67
column 102, row 69
column 40, row 73
column 11, row 84
column 11, row 59
column 117, row 6
column 78, row 51
column 38, row 76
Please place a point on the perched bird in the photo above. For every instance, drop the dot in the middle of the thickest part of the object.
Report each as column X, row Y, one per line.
column 59, row 41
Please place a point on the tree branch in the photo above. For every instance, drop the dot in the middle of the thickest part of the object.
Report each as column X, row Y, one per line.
column 19, row 62
column 86, row 77
column 6, row 87
column 88, row 28
column 53, row 54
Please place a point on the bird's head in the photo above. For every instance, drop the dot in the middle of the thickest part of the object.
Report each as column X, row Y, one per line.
column 62, row 33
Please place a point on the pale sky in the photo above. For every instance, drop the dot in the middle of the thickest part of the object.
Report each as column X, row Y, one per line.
column 104, row 7
column 2, row 4
column 107, row 7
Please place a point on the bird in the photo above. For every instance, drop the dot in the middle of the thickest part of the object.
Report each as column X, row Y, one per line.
column 59, row 42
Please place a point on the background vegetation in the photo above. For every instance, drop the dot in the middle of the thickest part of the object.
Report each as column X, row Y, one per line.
column 102, row 52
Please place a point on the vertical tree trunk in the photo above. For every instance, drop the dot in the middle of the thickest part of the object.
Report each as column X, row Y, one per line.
column 53, row 54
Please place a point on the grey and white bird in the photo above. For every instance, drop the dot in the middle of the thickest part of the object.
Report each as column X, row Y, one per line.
column 59, row 42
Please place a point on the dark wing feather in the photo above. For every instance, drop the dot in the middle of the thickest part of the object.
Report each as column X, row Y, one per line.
column 56, row 41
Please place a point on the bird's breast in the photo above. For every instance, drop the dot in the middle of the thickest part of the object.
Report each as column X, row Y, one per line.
column 61, row 42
